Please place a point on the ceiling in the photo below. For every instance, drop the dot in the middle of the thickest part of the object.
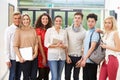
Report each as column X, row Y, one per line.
column 62, row 3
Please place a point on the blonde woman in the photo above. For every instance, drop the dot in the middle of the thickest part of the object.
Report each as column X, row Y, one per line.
column 26, row 37
column 111, row 43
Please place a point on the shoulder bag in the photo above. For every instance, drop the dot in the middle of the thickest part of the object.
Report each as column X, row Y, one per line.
column 99, row 53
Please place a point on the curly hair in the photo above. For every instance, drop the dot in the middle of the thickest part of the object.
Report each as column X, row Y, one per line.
column 92, row 15
column 39, row 24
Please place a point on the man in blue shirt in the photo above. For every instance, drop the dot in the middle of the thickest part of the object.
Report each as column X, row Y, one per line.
column 90, row 68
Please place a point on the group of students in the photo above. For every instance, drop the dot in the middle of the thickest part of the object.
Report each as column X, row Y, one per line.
column 54, row 47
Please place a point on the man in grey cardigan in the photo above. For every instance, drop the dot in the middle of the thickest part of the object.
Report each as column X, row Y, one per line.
column 76, row 35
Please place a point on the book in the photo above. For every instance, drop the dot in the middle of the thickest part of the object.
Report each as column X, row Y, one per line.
column 56, row 41
column 26, row 53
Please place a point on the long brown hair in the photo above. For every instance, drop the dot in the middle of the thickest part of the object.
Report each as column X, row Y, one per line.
column 39, row 24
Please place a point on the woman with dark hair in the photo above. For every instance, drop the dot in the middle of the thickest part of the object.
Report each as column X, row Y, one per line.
column 56, row 42
column 42, row 24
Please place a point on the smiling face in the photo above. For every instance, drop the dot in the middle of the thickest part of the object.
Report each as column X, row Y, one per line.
column 26, row 20
column 77, row 20
column 44, row 20
column 16, row 19
column 108, row 25
column 58, row 21
column 91, row 23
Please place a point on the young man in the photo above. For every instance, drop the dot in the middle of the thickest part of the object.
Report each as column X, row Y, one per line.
column 11, row 58
column 76, row 35
column 90, row 68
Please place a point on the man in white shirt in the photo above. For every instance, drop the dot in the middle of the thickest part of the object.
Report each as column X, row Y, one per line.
column 76, row 35
column 11, row 58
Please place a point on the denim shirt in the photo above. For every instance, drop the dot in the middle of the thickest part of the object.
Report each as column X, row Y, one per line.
column 94, row 38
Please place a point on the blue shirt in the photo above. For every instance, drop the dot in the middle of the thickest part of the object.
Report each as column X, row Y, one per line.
column 94, row 38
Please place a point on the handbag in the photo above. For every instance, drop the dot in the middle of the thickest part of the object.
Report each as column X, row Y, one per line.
column 98, row 53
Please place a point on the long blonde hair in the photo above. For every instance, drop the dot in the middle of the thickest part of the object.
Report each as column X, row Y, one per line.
column 24, row 14
column 114, row 26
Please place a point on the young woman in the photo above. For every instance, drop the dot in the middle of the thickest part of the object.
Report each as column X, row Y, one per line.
column 43, row 23
column 56, row 42
column 26, row 37
column 109, row 68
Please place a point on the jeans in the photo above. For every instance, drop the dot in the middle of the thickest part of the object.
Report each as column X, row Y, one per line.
column 34, row 69
column 90, row 71
column 18, row 71
column 12, row 70
column 29, row 69
column 43, row 73
column 56, row 68
column 68, row 68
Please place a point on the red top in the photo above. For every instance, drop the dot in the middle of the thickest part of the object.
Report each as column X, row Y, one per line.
column 41, row 32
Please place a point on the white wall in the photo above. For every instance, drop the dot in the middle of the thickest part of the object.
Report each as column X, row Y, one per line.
column 113, row 5
column 3, row 24
column 109, row 5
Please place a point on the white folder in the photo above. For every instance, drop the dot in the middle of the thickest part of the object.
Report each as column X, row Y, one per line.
column 26, row 53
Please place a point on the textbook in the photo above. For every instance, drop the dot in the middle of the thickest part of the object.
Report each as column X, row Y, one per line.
column 55, row 41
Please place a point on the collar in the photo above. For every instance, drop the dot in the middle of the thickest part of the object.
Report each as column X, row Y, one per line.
column 76, row 29
column 54, row 27
column 14, row 25
column 91, row 30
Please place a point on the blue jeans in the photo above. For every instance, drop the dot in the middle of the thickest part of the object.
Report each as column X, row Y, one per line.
column 56, row 68
column 12, row 70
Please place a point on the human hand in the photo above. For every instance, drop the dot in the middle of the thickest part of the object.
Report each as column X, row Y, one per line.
column 99, row 30
column 44, row 61
column 78, row 64
column 83, row 63
column 22, row 60
column 68, row 60
column 8, row 64
column 103, row 45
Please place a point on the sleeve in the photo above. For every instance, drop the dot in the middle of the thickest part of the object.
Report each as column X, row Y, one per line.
column 66, row 39
column 7, row 40
column 37, row 32
column 16, row 42
column 47, row 38
column 84, row 34
column 95, row 37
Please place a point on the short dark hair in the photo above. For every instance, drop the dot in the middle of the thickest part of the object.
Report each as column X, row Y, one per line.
column 79, row 13
column 58, row 16
column 92, row 15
